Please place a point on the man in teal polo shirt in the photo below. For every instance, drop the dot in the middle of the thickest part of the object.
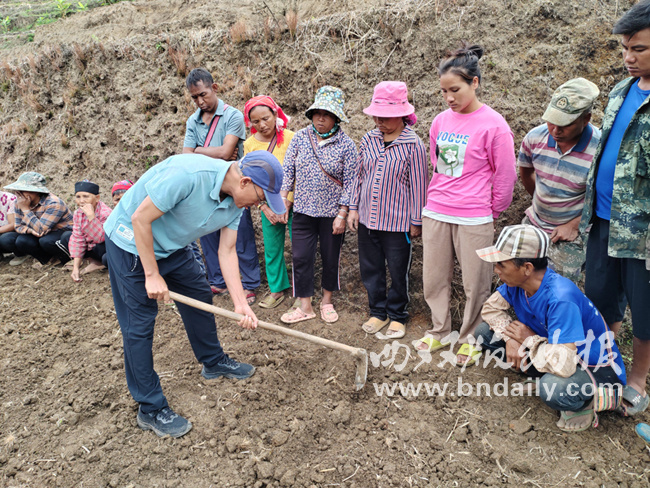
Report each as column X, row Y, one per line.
column 218, row 131
column 171, row 205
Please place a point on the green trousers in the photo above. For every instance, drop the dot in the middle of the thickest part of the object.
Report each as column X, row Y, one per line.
column 276, row 267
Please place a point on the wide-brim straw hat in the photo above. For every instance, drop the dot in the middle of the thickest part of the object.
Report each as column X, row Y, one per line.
column 390, row 99
column 30, row 181
column 331, row 99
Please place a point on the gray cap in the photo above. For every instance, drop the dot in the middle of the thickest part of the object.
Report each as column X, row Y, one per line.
column 30, row 181
column 570, row 101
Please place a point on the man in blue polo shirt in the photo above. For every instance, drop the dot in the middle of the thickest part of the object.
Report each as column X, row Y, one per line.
column 218, row 131
column 617, row 204
column 558, row 335
column 554, row 162
column 147, row 236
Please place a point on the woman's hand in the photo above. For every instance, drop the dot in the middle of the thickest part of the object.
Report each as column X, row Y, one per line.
column 270, row 214
column 22, row 202
column 88, row 209
column 353, row 220
column 75, row 275
column 338, row 226
column 416, row 231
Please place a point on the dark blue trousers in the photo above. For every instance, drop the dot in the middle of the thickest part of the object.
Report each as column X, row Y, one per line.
column 136, row 314
column 249, row 263
column 377, row 249
column 570, row 394
column 42, row 248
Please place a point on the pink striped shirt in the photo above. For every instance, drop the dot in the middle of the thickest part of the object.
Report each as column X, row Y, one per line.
column 390, row 189
column 86, row 235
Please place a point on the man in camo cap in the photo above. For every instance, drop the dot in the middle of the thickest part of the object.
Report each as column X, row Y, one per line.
column 554, row 162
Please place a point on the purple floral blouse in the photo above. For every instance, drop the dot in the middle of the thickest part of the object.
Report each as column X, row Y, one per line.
column 315, row 194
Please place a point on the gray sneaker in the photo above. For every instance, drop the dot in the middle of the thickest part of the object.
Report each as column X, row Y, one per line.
column 164, row 422
column 18, row 260
column 229, row 368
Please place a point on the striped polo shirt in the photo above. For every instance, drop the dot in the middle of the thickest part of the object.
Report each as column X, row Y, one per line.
column 560, row 179
column 390, row 190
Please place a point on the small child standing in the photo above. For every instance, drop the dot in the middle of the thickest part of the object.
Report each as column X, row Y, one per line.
column 119, row 189
column 87, row 237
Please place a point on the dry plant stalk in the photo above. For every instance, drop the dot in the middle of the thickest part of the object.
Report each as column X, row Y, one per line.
column 292, row 23
column 178, row 57
column 268, row 30
column 247, row 89
column 34, row 62
column 238, row 32
column 7, row 70
column 79, row 56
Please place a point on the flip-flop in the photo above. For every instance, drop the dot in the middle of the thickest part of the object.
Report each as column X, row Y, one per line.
column 637, row 402
column 374, row 325
column 218, row 292
column 270, row 302
column 250, row 297
column 434, row 344
column 296, row 315
column 567, row 415
column 398, row 328
column 643, row 431
column 327, row 313
column 470, row 351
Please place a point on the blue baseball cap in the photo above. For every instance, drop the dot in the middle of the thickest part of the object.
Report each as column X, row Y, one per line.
column 266, row 172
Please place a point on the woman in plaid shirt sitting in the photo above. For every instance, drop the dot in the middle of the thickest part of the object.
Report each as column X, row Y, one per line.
column 87, row 237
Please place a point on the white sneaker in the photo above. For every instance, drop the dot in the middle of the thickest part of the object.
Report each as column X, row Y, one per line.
column 18, row 260
column 7, row 255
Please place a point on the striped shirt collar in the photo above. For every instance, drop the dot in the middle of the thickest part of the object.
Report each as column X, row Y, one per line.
column 582, row 144
column 408, row 136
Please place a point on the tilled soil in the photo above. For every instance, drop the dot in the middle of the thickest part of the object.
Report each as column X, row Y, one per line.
column 100, row 96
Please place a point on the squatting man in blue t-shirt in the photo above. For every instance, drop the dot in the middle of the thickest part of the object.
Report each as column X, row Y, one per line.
column 558, row 337
column 173, row 204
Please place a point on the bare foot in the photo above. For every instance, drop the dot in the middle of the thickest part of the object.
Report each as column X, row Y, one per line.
column 92, row 267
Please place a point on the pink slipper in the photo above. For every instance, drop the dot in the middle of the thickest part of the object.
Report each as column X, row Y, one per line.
column 296, row 315
column 328, row 314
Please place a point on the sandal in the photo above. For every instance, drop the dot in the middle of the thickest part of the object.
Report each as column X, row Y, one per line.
column 470, row 351
column 643, row 431
column 270, row 302
column 374, row 325
column 327, row 313
column 217, row 292
column 637, row 403
column 434, row 344
column 585, row 423
column 296, row 315
column 250, row 297
column 396, row 330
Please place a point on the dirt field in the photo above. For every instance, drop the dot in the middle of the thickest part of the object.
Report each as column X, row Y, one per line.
column 100, row 95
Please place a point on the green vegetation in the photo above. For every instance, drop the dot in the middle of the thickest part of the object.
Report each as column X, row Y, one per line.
column 19, row 20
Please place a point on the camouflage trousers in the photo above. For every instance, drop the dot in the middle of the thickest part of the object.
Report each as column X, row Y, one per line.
column 567, row 257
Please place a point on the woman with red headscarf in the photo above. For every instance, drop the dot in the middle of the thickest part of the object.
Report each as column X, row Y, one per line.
column 267, row 123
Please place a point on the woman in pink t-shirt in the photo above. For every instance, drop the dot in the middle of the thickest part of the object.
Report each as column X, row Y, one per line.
column 472, row 153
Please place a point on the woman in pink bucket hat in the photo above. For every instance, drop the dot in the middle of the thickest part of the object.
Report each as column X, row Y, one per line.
column 386, row 205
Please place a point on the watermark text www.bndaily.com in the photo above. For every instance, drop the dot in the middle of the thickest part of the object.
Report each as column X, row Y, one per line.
column 461, row 388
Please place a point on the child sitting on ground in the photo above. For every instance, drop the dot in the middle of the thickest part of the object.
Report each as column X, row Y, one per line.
column 119, row 189
column 87, row 237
